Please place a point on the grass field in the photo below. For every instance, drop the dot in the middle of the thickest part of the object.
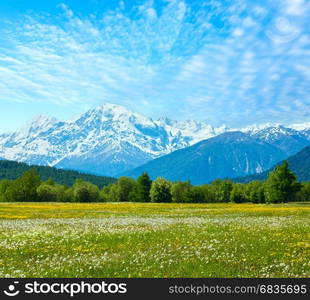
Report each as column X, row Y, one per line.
column 154, row 240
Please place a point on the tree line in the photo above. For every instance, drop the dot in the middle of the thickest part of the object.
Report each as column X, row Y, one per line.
column 13, row 170
column 281, row 186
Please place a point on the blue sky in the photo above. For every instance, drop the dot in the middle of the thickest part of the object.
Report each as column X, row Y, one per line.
column 235, row 62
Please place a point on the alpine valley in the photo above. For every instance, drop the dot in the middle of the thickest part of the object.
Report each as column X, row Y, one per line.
column 112, row 140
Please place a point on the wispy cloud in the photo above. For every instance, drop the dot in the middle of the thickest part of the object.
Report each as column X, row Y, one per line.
column 236, row 63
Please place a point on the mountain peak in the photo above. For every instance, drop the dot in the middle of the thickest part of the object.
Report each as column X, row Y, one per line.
column 301, row 126
column 106, row 112
column 40, row 122
column 276, row 130
column 232, row 136
column 165, row 120
column 43, row 119
column 257, row 127
column 111, row 107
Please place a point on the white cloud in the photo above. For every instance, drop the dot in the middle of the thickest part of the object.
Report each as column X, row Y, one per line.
column 283, row 30
column 151, row 13
column 69, row 13
column 122, row 5
column 238, row 32
column 249, row 22
column 194, row 66
column 295, row 7
column 260, row 11
column 177, row 60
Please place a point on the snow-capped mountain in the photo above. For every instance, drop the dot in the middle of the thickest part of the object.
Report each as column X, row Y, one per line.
column 287, row 139
column 106, row 140
column 111, row 139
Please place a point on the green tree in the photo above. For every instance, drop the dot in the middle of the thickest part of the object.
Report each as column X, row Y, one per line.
column 179, row 191
column 195, row 195
column 69, row 195
column 24, row 188
column 255, row 192
column 85, row 191
column 46, row 193
column 127, row 189
column 110, row 193
column 304, row 193
column 222, row 189
column 237, row 193
column 161, row 190
column 49, row 181
column 60, row 190
column 114, row 193
column 281, row 185
column 209, row 193
column 143, row 188
column 104, row 193
column 4, row 185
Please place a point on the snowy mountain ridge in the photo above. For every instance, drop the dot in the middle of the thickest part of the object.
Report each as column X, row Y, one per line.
column 110, row 139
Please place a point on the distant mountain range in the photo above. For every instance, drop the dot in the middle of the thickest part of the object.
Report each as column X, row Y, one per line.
column 228, row 155
column 298, row 163
column 106, row 140
column 112, row 140
column 12, row 170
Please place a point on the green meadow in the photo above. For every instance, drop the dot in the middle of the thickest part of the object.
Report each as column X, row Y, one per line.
column 154, row 240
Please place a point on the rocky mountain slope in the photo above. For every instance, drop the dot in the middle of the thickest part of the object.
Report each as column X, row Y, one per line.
column 298, row 163
column 228, row 155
